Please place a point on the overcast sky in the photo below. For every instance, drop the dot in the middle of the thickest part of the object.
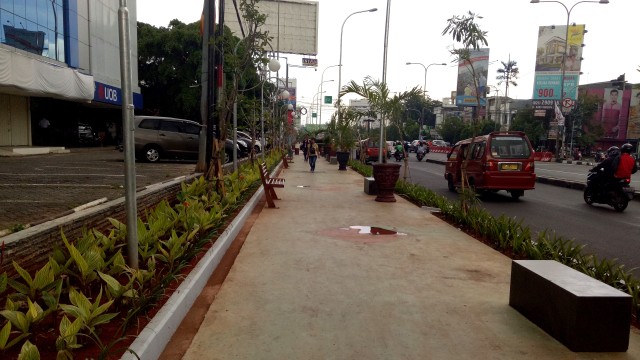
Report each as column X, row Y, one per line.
column 416, row 36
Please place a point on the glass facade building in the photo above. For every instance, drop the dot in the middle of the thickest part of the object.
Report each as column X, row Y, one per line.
column 60, row 60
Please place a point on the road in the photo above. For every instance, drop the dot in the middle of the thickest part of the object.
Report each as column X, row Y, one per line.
column 604, row 232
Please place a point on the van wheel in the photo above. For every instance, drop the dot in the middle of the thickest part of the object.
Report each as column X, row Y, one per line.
column 152, row 153
column 515, row 194
column 227, row 157
column 450, row 184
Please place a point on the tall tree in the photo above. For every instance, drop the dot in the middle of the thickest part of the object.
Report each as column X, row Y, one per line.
column 465, row 30
column 169, row 69
column 508, row 75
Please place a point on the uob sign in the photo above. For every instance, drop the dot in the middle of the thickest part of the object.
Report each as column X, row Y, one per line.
column 107, row 94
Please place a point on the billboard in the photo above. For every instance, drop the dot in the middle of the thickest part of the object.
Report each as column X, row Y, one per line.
column 633, row 127
column 615, row 113
column 477, row 65
column 549, row 54
column 293, row 24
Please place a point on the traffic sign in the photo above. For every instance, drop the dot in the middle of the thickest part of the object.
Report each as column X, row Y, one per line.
column 568, row 102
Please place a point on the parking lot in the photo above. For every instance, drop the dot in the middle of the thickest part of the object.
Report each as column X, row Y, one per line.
column 39, row 187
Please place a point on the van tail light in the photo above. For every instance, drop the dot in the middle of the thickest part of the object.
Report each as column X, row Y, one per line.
column 529, row 166
column 491, row 165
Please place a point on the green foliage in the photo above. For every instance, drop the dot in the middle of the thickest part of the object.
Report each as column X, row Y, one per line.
column 29, row 352
column 68, row 339
column 534, row 128
column 90, row 313
column 169, row 64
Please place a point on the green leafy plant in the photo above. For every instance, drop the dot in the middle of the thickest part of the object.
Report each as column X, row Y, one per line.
column 29, row 352
column 91, row 314
column 68, row 339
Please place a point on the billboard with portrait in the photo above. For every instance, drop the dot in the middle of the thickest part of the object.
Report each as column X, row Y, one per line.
column 614, row 112
column 467, row 85
column 633, row 127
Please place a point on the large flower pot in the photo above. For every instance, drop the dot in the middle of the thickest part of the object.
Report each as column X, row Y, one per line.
column 386, row 175
column 343, row 159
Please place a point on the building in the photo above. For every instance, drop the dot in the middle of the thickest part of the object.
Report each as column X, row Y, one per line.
column 60, row 72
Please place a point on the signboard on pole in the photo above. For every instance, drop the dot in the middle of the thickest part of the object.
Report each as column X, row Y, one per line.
column 328, row 99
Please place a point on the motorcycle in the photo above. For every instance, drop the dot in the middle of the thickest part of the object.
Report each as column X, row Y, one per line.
column 420, row 154
column 399, row 155
column 615, row 193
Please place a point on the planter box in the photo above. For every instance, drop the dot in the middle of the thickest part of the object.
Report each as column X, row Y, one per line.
column 582, row 313
column 370, row 187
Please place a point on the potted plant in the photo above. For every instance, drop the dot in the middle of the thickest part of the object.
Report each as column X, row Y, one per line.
column 386, row 108
column 345, row 134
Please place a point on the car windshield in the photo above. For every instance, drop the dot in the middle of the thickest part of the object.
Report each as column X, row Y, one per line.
column 510, row 147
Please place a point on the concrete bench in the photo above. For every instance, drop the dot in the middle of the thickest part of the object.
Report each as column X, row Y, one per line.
column 370, row 187
column 582, row 313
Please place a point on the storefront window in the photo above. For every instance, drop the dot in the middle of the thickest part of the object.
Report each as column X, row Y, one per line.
column 36, row 26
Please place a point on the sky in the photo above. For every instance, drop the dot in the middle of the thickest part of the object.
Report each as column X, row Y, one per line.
column 415, row 35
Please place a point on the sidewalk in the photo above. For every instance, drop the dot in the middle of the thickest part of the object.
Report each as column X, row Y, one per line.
column 305, row 286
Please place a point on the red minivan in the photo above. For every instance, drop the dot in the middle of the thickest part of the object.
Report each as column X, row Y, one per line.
column 497, row 161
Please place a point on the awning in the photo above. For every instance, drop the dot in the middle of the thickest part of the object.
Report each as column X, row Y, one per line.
column 21, row 74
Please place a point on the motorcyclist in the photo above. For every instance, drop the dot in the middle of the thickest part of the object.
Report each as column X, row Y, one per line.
column 423, row 148
column 624, row 165
column 399, row 149
column 605, row 168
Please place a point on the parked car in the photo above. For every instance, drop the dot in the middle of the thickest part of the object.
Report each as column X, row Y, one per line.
column 163, row 137
column 246, row 136
column 497, row 161
column 440, row 143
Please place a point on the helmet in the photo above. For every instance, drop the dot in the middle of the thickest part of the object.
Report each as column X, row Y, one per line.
column 626, row 148
column 613, row 151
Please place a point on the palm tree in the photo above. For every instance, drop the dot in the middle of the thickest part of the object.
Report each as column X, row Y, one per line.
column 508, row 75
column 385, row 107
column 380, row 102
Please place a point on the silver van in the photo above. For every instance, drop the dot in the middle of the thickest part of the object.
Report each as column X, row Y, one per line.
column 164, row 138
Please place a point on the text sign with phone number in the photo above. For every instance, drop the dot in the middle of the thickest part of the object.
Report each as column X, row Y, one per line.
column 547, row 87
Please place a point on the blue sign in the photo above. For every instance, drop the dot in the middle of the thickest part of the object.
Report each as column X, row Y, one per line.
column 547, row 87
column 112, row 95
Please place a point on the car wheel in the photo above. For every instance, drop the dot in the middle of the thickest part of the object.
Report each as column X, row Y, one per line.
column 450, row 184
column 257, row 149
column 516, row 194
column 588, row 196
column 152, row 153
column 227, row 157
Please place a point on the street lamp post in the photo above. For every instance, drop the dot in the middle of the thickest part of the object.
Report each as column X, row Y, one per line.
column 426, row 68
column 319, row 103
column 321, row 81
column 564, row 57
column 340, row 62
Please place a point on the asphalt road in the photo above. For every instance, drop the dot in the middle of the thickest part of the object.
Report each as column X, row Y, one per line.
column 605, row 232
column 38, row 187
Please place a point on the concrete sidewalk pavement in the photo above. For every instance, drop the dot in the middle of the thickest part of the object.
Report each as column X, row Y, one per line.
column 308, row 285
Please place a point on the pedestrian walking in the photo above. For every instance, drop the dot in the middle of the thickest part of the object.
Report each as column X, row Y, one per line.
column 313, row 154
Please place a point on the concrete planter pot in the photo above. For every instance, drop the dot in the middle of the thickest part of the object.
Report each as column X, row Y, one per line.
column 343, row 159
column 386, row 175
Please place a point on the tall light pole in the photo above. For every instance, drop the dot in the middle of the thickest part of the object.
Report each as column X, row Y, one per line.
column 426, row 68
column 340, row 62
column 321, row 80
column 319, row 103
column 564, row 57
